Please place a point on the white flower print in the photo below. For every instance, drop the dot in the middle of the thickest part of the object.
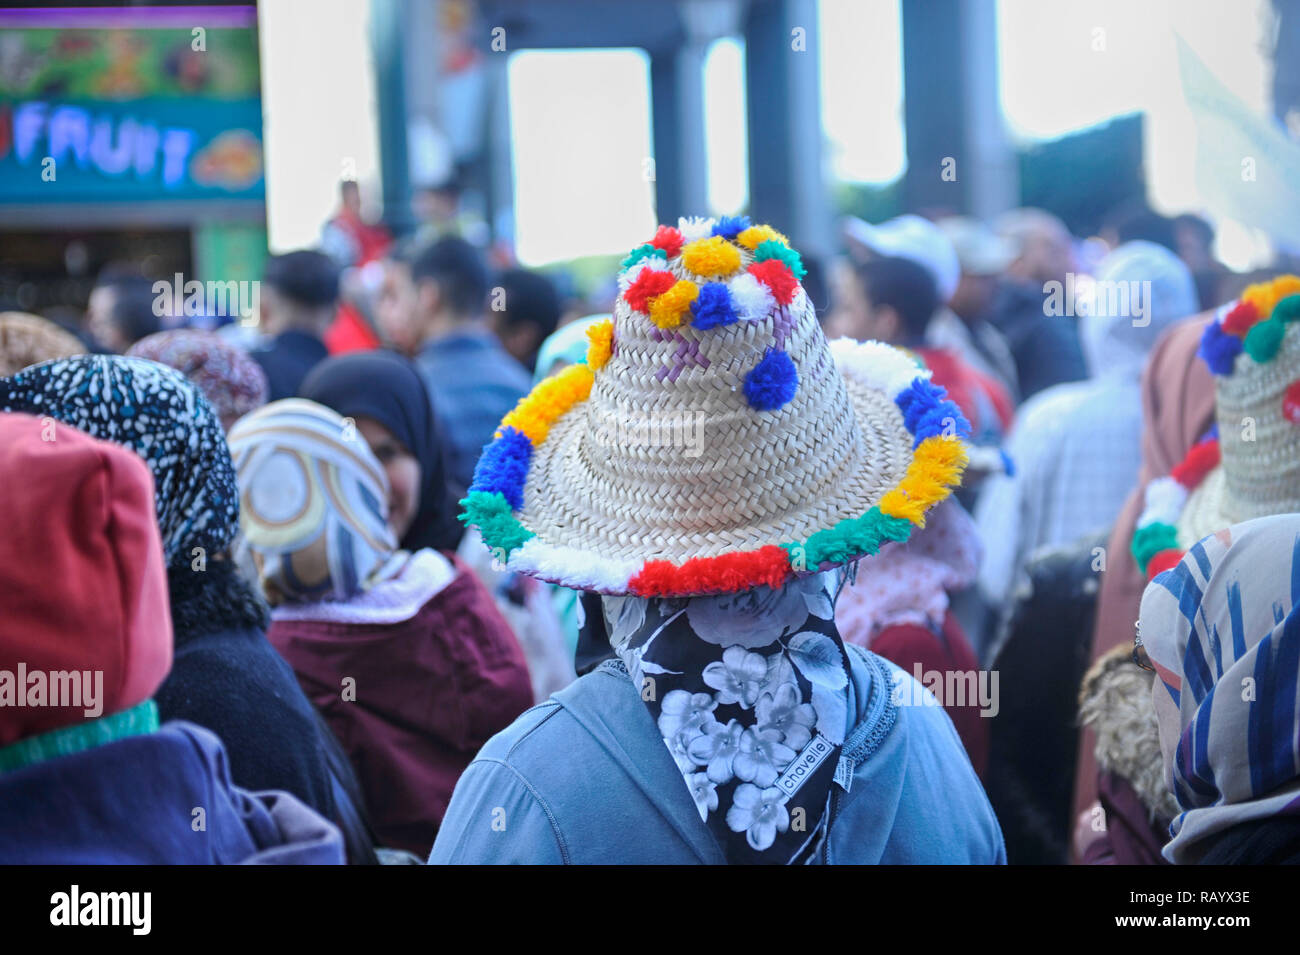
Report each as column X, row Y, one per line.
column 717, row 747
column 759, row 813
column 739, row 677
column 783, row 710
column 705, row 793
column 751, row 618
column 682, row 712
column 762, row 757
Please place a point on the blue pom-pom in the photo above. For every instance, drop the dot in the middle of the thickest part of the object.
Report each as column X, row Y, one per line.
column 731, row 226
column 503, row 468
column 712, row 307
column 772, row 382
column 928, row 412
column 1219, row 349
column 1008, row 466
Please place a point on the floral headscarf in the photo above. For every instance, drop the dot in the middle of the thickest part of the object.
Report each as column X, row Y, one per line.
column 750, row 694
column 28, row 339
column 229, row 378
column 1223, row 631
column 160, row 416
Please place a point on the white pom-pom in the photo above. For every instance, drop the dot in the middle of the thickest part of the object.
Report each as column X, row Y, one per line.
column 750, row 298
column 575, row 568
column 628, row 276
column 695, row 227
column 1164, row 502
column 876, row 365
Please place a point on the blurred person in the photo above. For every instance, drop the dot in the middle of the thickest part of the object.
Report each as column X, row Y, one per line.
column 1229, row 757
column 964, row 326
column 1194, row 241
column 83, row 583
column 733, row 702
column 1077, row 446
column 1134, row 221
column 472, row 379
column 1045, row 347
column 121, row 308
column 908, row 237
column 892, row 300
column 530, row 312
column 229, row 378
column 897, row 605
column 436, row 671
column 347, row 238
column 225, row 676
column 298, row 299
column 28, row 340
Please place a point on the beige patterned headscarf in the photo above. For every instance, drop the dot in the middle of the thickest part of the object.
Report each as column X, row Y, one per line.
column 29, row 340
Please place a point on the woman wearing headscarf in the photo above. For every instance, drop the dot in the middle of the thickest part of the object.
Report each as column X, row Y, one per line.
column 1222, row 630
column 225, row 676
column 406, row 657
column 229, row 378
column 98, row 778
column 704, row 469
column 29, row 340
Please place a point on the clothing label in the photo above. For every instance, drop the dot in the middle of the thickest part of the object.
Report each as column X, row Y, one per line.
column 812, row 756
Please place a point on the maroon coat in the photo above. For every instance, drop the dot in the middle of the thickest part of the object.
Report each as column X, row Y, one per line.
column 429, row 692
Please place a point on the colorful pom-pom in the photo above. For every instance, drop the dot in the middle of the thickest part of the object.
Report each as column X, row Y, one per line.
column 768, row 566
column 600, row 338
column 669, row 240
column 642, row 252
column 490, row 513
column 1163, row 560
column 648, row 284
column 928, row 412
column 503, row 466
column 711, row 257
column 851, row 537
column 671, row 308
column 1200, row 461
column 756, row 235
column 731, row 226
column 1150, row 540
column 751, row 300
column 1287, row 309
column 772, row 382
column 771, row 249
column 1263, row 341
column 1240, row 318
column 713, row 307
column 776, row 275
column 936, row 468
column 695, row 227
column 1219, row 350
column 1291, row 403
column 547, row 403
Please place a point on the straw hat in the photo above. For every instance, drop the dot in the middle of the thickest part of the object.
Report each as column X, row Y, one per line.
column 1249, row 465
column 713, row 440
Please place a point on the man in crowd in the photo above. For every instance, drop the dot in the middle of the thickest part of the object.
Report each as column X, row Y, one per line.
column 298, row 298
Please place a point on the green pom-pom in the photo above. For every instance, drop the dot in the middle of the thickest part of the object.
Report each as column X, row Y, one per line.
column 849, row 538
column 1263, row 341
column 772, row 249
column 643, row 252
column 489, row 511
column 1287, row 310
column 1151, row 540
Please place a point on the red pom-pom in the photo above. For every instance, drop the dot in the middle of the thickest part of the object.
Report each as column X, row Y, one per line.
column 668, row 239
column 1239, row 320
column 648, row 284
column 776, row 275
column 1200, row 461
column 1291, row 402
column 1163, row 560
column 769, row 566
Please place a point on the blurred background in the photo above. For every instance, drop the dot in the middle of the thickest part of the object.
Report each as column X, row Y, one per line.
column 197, row 139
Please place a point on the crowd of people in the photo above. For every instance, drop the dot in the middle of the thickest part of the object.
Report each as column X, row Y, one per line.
column 440, row 563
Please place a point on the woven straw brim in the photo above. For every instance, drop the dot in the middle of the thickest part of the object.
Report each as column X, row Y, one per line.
column 1205, row 511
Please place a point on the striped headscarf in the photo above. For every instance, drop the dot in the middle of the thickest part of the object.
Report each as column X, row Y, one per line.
column 1223, row 631
column 314, row 503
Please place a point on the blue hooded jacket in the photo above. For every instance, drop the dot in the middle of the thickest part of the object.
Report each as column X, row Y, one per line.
column 585, row 778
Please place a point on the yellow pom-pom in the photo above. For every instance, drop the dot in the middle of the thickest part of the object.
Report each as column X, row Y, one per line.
column 1262, row 296
column 671, row 308
column 1282, row 287
column 601, row 338
column 936, row 468
column 548, row 402
column 712, row 256
column 756, row 235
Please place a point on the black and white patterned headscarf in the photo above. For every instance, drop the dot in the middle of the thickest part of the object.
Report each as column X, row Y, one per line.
column 155, row 412
column 750, row 693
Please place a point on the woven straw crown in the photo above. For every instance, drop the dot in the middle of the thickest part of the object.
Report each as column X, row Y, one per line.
column 714, row 440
